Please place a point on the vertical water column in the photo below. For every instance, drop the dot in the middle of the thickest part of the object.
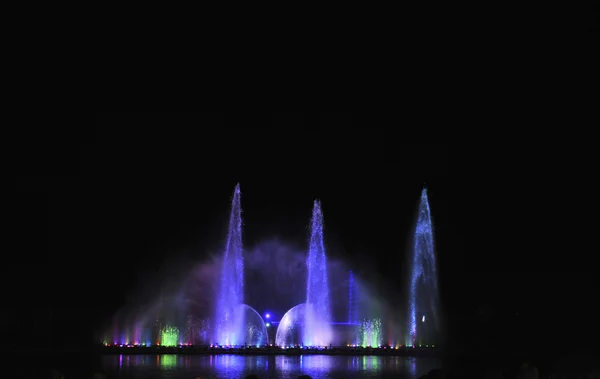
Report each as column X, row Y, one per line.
column 317, row 323
column 352, row 311
column 423, row 289
column 229, row 315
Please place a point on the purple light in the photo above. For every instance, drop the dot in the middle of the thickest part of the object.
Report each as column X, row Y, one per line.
column 423, row 272
column 317, row 329
column 268, row 315
column 229, row 321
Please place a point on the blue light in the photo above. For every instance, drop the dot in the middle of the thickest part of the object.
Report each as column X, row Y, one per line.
column 267, row 315
column 317, row 319
column 229, row 322
column 423, row 276
column 351, row 299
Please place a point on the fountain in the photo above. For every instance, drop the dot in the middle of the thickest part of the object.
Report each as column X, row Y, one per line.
column 231, row 314
column 317, row 319
column 256, row 331
column 423, row 292
column 290, row 329
column 169, row 336
column 230, row 323
column 352, row 300
column 229, row 320
column 309, row 323
column 369, row 333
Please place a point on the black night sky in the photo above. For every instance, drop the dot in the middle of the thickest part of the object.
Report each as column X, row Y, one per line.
column 97, row 213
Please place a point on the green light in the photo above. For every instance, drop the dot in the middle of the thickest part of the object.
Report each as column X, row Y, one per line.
column 169, row 336
column 168, row 360
column 369, row 333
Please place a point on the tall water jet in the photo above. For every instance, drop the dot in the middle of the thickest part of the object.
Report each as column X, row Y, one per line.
column 317, row 327
column 423, row 321
column 352, row 300
column 229, row 318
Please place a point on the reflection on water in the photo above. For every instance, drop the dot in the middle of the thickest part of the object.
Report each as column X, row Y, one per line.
column 412, row 365
column 167, row 361
column 283, row 367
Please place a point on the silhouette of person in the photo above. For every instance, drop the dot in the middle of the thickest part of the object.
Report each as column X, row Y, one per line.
column 528, row 371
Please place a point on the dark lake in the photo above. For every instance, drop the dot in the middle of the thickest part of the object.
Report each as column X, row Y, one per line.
column 283, row 367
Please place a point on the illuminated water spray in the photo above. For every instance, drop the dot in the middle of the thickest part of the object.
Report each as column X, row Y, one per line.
column 352, row 300
column 423, row 320
column 169, row 336
column 289, row 330
column 229, row 317
column 317, row 322
column 369, row 333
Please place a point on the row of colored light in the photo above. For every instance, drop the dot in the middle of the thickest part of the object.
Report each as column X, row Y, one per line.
column 283, row 347
column 390, row 347
column 143, row 345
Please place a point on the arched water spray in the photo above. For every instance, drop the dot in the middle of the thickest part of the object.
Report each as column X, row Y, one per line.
column 256, row 330
column 291, row 326
column 229, row 321
column 317, row 330
column 423, row 292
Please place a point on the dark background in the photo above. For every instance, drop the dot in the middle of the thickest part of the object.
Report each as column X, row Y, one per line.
column 94, row 211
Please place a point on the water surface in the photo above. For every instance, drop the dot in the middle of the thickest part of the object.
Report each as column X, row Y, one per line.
column 281, row 367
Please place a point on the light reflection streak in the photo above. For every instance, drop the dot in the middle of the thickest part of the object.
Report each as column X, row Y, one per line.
column 413, row 368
